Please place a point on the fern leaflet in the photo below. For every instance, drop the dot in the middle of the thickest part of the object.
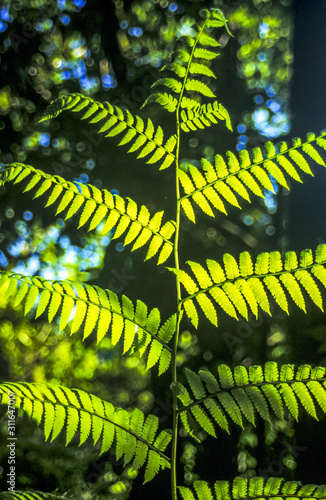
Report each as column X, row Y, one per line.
column 204, row 116
column 59, row 408
column 212, row 186
column 244, row 286
column 97, row 310
column 96, row 207
column 252, row 489
column 114, row 121
column 239, row 394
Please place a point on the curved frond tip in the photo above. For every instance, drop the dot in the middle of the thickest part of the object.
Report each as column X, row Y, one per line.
column 254, row 488
column 183, row 85
column 74, row 412
column 235, row 395
column 243, row 287
column 93, row 309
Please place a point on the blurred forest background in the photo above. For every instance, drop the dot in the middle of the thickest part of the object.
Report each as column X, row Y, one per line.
column 271, row 78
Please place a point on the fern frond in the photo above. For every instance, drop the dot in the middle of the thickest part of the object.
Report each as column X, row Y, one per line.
column 254, row 488
column 94, row 310
column 239, row 394
column 96, row 207
column 59, row 408
column 235, row 177
column 114, row 121
column 238, row 288
column 193, row 59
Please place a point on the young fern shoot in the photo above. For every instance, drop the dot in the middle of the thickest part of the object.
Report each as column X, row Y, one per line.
column 206, row 402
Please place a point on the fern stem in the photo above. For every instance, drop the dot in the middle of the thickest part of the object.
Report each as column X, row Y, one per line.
column 179, row 315
column 178, row 287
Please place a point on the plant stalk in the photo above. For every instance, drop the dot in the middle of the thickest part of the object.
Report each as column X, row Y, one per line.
column 176, row 336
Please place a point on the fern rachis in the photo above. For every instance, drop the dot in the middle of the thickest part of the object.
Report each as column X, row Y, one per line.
column 204, row 402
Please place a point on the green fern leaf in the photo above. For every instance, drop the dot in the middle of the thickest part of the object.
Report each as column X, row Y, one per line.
column 100, row 205
column 204, row 54
column 223, row 300
column 244, row 282
column 313, row 153
column 318, row 392
column 96, row 309
column 204, row 116
column 113, row 121
column 167, row 101
column 207, row 40
column 243, row 173
column 309, row 284
column 273, row 397
column 191, row 312
column 236, row 298
column 304, row 396
column 73, row 409
column 294, row 290
column 200, row 69
column 268, row 391
column 259, row 402
column 175, row 68
column 244, row 403
column 251, row 489
column 277, row 292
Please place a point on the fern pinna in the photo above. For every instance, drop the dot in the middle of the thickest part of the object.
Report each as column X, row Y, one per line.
column 254, row 488
column 203, row 402
column 135, row 437
column 244, row 392
column 241, row 288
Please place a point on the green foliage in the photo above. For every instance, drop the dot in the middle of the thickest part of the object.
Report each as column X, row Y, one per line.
column 92, row 307
column 115, row 121
column 240, row 287
column 256, row 487
column 244, row 392
column 98, row 206
column 134, row 436
column 213, row 185
column 204, row 116
column 193, row 59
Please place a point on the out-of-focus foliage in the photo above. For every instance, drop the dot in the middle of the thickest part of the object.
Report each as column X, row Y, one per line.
column 264, row 36
column 148, row 31
column 48, row 252
column 265, row 59
column 58, row 59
